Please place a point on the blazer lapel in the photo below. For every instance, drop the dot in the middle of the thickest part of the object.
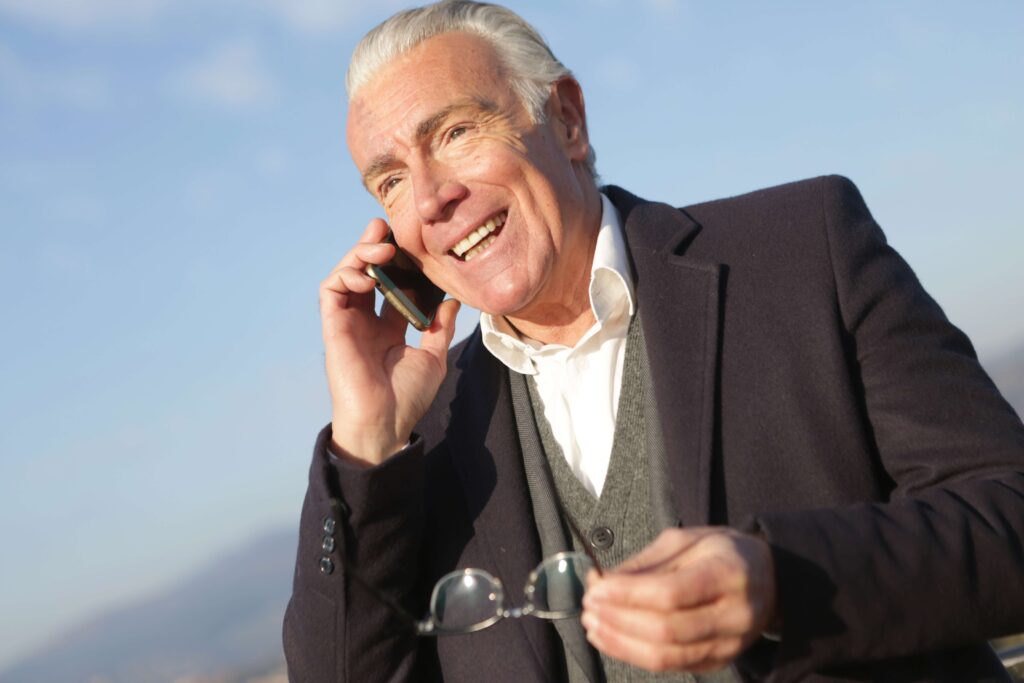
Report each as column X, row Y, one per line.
column 486, row 454
column 680, row 302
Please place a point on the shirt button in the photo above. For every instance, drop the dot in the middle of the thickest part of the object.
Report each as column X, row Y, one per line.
column 328, row 544
column 602, row 538
column 328, row 525
column 326, row 566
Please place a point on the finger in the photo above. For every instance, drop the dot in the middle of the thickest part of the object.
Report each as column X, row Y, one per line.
column 345, row 288
column 349, row 275
column 695, row 657
column 681, row 588
column 439, row 337
column 363, row 254
column 372, row 252
column 669, row 544
column 349, row 279
column 376, row 230
column 679, row 627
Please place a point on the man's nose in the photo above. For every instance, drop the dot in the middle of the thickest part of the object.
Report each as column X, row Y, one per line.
column 436, row 192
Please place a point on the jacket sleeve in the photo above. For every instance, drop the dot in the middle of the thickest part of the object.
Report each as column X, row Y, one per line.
column 939, row 564
column 371, row 520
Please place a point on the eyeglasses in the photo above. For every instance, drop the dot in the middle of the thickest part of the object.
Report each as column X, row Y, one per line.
column 468, row 600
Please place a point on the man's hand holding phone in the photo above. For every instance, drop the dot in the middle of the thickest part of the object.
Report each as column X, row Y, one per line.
column 380, row 387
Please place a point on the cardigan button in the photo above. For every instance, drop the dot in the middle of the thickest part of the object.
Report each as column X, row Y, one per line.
column 602, row 538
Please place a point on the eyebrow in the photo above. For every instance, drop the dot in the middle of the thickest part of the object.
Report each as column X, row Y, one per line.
column 425, row 129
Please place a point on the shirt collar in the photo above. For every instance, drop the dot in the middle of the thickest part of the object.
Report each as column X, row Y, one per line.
column 611, row 293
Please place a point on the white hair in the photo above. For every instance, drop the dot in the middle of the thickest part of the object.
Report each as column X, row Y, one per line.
column 531, row 65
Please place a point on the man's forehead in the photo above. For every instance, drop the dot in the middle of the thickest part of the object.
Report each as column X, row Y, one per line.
column 407, row 98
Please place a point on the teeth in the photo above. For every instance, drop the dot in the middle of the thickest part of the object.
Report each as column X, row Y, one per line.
column 477, row 237
column 483, row 245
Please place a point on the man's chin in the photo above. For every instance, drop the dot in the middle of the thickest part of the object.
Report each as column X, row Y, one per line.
column 496, row 303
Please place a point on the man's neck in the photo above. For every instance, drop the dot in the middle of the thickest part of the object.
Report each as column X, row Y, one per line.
column 566, row 317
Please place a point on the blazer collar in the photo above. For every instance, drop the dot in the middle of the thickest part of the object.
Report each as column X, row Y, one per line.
column 680, row 301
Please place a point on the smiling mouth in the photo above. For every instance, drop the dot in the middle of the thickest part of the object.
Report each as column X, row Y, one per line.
column 476, row 242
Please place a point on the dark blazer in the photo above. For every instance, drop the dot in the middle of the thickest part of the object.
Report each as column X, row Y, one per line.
column 808, row 390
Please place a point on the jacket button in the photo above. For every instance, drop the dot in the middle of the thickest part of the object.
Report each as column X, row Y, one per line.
column 328, row 544
column 340, row 508
column 326, row 566
column 328, row 525
column 602, row 538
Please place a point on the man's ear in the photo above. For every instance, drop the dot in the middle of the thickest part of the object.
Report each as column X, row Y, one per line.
column 566, row 107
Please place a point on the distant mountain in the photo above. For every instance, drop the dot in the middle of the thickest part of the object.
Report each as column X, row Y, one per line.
column 221, row 621
column 1008, row 374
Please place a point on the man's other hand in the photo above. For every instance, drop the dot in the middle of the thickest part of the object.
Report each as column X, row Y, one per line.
column 692, row 600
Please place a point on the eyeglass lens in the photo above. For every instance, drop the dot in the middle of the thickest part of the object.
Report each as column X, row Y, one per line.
column 466, row 600
column 557, row 589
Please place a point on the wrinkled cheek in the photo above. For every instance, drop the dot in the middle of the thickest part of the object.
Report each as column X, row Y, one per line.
column 405, row 226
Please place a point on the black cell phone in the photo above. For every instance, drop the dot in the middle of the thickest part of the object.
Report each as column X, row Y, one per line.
column 405, row 287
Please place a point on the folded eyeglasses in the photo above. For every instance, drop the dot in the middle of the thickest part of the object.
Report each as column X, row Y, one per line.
column 468, row 600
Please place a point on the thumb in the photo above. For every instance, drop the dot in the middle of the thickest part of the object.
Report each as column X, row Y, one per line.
column 669, row 544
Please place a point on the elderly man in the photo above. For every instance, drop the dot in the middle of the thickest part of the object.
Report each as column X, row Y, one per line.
column 748, row 411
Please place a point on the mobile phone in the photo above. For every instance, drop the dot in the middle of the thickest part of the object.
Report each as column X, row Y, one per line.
column 405, row 287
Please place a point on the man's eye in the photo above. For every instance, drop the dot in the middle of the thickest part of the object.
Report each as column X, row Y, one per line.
column 457, row 132
column 388, row 185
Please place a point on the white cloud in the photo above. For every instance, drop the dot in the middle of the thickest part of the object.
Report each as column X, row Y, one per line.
column 84, row 15
column 232, row 75
column 29, row 85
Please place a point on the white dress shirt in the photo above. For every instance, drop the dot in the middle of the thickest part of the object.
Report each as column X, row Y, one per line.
column 580, row 386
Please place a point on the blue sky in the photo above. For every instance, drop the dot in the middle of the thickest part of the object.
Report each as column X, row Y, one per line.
column 174, row 183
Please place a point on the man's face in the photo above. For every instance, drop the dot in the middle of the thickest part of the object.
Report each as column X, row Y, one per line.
column 488, row 203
